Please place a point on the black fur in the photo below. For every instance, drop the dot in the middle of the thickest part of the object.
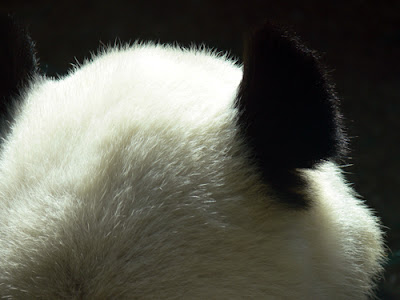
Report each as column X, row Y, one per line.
column 288, row 111
column 17, row 65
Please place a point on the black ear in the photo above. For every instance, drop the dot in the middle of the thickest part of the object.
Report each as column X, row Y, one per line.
column 17, row 63
column 287, row 109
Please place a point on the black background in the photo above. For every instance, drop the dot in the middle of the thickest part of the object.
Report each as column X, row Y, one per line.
column 359, row 40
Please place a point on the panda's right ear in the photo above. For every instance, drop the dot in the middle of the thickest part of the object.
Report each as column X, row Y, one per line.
column 288, row 111
column 18, row 62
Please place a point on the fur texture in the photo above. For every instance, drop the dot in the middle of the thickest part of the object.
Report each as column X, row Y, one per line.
column 130, row 178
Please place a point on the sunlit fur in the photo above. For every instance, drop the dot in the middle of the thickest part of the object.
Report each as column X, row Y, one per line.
column 128, row 179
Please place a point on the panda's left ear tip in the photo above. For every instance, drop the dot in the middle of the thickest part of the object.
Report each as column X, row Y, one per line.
column 8, row 20
column 17, row 56
column 11, row 27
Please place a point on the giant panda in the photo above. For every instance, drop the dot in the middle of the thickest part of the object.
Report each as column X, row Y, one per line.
column 158, row 172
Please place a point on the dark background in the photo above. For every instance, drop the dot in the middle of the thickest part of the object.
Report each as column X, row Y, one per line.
column 359, row 40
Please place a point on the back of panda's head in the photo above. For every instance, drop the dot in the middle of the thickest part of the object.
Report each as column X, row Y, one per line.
column 288, row 119
column 288, row 112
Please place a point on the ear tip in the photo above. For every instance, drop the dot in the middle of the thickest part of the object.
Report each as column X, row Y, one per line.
column 273, row 37
column 267, row 31
column 17, row 56
column 270, row 28
column 9, row 24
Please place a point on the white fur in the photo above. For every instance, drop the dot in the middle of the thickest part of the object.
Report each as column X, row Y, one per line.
column 126, row 179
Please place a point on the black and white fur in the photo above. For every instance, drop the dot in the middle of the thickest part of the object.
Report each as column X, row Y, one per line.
column 155, row 172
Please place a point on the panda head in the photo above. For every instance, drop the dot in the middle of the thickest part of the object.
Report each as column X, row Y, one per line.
column 159, row 172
